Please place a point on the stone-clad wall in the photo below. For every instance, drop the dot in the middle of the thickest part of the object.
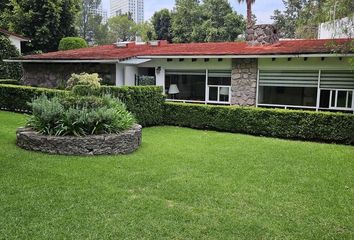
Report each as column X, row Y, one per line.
column 262, row 34
column 122, row 143
column 54, row 75
column 244, row 82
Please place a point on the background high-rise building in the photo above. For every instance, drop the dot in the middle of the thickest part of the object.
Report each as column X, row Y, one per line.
column 134, row 7
column 99, row 11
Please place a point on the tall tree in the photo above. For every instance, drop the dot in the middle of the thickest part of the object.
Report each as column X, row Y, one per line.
column 4, row 4
column 85, row 17
column 162, row 23
column 220, row 22
column 121, row 28
column 99, row 32
column 286, row 21
column 301, row 17
column 45, row 22
column 184, row 20
column 249, row 10
column 145, row 31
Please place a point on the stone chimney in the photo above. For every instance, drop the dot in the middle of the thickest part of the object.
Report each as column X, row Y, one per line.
column 263, row 34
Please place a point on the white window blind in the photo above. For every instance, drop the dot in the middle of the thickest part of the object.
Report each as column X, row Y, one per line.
column 288, row 78
column 337, row 79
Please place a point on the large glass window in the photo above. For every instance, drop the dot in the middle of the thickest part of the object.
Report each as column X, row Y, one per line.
column 193, row 86
column 185, row 86
column 296, row 96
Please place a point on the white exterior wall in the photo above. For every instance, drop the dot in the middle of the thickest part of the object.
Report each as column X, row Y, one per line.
column 135, row 7
column 16, row 42
column 119, row 75
column 129, row 75
column 160, row 77
column 342, row 28
column 187, row 64
column 329, row 63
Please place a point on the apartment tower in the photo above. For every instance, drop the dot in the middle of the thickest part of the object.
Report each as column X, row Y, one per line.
column 134, row 7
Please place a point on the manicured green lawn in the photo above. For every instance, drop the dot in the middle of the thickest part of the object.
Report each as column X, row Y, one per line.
column 181, row 184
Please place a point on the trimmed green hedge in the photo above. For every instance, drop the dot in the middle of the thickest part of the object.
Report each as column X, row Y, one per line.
column 146, row 103
column 292, row 124
column 16, row 98
column 9, row 81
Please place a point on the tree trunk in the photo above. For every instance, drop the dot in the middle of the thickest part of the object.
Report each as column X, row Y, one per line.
column 249, row 13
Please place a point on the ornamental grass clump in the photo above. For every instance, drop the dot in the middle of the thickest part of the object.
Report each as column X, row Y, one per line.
column 81, row 112
column 79, row 116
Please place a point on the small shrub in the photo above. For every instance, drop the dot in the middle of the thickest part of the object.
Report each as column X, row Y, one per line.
column 70, row 43
column 146, row 81
column 9, row 69
column 74, row 116
column 84, row 79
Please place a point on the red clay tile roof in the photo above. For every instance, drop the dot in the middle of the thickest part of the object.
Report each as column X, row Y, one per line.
column 14, row 34
column 112, row 52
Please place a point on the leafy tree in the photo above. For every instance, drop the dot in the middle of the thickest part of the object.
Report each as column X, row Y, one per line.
column 220, row 22
column 46, row 22
column 121, row 28
column 162, row 23
column 145, row 31
column 85, row 17
column 7, row 50
column 100, row 33
column 4, row 5
column 301, row 17
column 249, row 10
column 186, row 17
column 286, row 21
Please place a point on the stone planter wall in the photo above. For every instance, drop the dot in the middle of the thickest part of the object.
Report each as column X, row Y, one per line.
column 122, row 143
column 244, row 82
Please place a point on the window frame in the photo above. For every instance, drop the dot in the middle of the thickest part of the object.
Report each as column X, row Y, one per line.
column 336, row 90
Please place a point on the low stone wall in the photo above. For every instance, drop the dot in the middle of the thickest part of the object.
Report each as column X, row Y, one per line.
column 122, row 143
column 53, row 75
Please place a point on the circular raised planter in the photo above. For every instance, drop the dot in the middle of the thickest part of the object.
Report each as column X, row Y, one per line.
column 122, row 143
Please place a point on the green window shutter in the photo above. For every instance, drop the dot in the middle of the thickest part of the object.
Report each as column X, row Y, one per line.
column 221, row 73
column 185, row 72
column 337, row 79
column 288, row 78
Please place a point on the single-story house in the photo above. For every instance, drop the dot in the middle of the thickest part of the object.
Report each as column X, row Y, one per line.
column 263, row 71
column 15, row 39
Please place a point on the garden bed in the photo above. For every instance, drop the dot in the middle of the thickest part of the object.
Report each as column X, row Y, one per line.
column 122, row 143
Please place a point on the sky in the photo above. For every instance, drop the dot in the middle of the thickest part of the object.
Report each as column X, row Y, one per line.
column 263, row 9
